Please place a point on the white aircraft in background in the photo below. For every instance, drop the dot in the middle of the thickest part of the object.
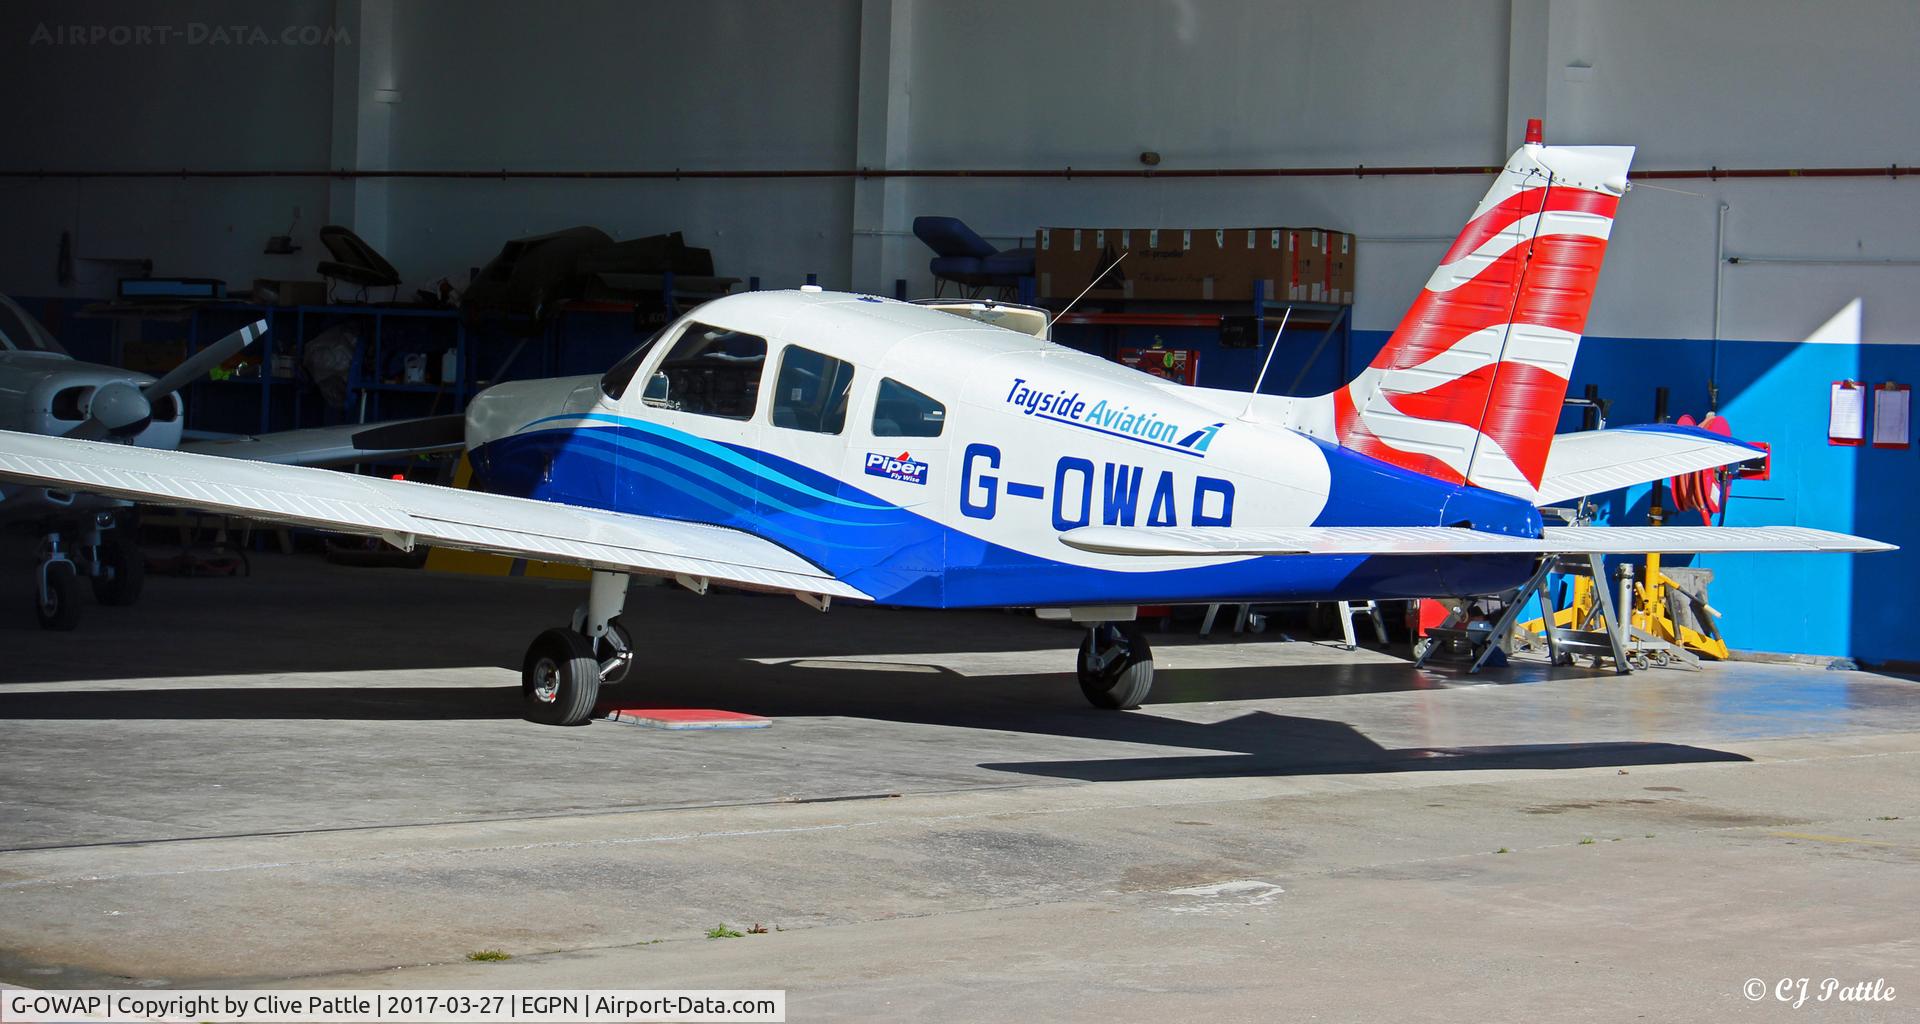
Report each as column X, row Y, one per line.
column 847, row 446
column 43, row 390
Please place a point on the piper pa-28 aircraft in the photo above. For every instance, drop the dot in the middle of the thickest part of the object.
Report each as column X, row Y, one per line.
column 852, row 447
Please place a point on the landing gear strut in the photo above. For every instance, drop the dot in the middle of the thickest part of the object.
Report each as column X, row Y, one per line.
column 561, row 676
column 114, row 566
column 1116, row 665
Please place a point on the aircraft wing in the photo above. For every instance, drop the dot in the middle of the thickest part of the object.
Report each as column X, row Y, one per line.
column 339, row 446
column 1239, row 542
column 1596, row 461
column 403, row 513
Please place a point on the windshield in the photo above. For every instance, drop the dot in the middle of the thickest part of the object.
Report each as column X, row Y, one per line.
column 614, row 383
column 20, row 332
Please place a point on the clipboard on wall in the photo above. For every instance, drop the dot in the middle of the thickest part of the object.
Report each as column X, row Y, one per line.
column 1846, row 413
column 1892, row 415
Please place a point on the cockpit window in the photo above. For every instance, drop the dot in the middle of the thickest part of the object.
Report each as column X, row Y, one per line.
column 711, row 371
column 812, row 391
column 20, row 332
column 900, row 411
column 614, row 383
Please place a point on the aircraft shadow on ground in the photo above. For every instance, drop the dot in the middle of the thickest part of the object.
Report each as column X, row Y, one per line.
column 315, row 618
column 1046, row 705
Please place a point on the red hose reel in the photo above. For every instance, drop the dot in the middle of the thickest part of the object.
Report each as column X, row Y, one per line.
column 1706, row 490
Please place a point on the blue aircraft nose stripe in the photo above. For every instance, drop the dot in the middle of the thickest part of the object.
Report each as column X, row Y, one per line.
column 693, row 485
column 711, row 450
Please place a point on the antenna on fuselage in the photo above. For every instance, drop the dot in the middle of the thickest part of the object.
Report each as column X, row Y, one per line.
column 1271, row 349
column 1097, row 278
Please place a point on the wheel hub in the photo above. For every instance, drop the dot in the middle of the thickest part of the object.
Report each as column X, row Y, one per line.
column 547, row 690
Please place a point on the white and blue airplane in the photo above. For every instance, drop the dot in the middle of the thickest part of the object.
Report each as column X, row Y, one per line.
column 843, row 446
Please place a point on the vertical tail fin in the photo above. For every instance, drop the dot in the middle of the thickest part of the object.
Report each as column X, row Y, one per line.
column 1469, row 387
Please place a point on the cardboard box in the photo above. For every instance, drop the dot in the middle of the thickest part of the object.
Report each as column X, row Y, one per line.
column 1339, row 267
column 1195, row 264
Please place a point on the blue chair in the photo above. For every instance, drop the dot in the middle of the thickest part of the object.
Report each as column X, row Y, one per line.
column 964, row 258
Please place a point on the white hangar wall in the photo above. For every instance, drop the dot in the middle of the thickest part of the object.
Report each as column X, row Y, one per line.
column 177, row 95
column 765, row 85
column 586, row 86
column 1773, row 83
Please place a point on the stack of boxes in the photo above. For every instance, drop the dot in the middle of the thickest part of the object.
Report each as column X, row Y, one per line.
column 1199, row 264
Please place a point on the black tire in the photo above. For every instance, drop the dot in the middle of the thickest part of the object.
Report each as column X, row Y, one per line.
column 60, row 610
column 1125, row 681
column 560, row 679
column 125, row 575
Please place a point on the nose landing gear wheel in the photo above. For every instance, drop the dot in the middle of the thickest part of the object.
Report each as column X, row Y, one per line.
column 57, row 605
column 560, row 679
column 1115, row 666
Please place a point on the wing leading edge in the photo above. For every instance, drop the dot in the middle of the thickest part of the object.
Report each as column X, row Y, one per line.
column 1238, row 542
column 403, row 513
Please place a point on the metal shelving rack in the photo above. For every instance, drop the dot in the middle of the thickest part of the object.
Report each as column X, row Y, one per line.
column 360, row 381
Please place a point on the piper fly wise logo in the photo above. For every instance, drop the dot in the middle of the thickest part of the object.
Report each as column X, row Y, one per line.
column 1113, row 419
column 897, row 467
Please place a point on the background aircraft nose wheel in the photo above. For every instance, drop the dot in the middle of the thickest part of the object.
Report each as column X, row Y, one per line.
column 1116, row 665
column 123, row 572
column 560, row 679
column 58, row 602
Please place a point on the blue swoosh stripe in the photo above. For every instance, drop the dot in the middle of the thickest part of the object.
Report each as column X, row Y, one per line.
column 712, row 450
column 693, row 483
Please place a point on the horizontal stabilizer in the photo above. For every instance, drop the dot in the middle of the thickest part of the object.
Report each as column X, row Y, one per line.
column 1597, row 461
column 403, row 513
column 1243, row 542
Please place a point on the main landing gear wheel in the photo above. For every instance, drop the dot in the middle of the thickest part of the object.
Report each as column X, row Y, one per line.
column 1116, row 666
column 123, row 572
column 560, row 679
column 57, row 604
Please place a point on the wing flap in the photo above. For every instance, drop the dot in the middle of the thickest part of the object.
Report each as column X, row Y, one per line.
column 1692, row 540
column 403, row 512
column 1245, row 542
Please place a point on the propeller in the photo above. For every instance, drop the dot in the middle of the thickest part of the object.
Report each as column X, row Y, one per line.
column 119, row 409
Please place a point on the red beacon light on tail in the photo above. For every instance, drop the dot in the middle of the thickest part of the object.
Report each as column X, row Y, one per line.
column 1535, row 137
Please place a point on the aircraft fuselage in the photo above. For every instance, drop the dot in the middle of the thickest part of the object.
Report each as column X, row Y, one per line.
column 963, row 506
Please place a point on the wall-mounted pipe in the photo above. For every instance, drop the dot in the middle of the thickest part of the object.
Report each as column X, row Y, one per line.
column 1848, row 261
column 678, row 174
column 1719, row 293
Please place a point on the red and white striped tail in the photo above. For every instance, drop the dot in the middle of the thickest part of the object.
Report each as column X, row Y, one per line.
column 1469, row 387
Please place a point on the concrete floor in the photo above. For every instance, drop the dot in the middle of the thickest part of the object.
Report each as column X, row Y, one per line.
column 319, row 774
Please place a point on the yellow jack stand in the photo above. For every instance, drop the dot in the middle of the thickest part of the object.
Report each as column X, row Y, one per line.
column 1657, row 613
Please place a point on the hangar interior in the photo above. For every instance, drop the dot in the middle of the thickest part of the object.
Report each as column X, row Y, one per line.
column 1760, row 289
column 1765, row 260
